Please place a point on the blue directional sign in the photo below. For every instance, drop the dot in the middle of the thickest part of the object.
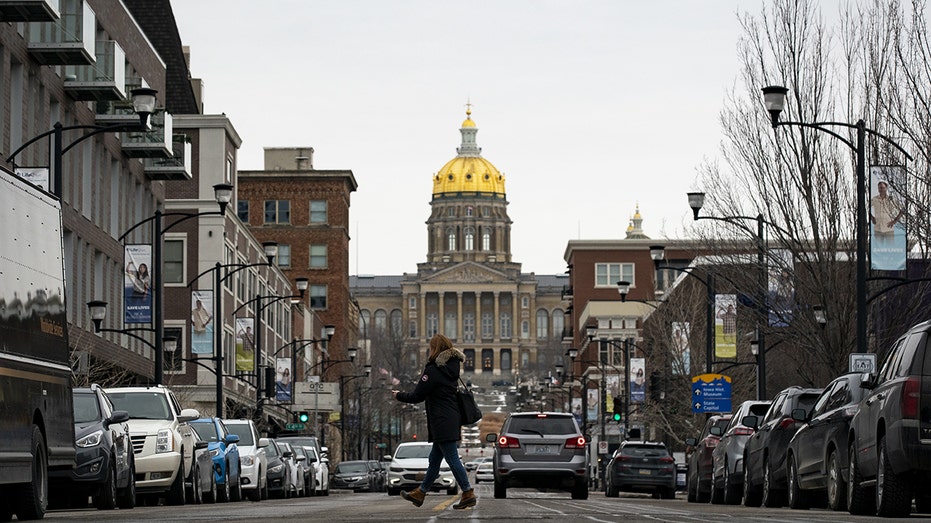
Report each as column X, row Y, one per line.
column 711, row 393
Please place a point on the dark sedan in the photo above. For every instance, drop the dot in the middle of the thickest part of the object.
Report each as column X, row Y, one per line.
column 641, row 467
column 103, row 465
column 355, row 475
column 817, row 456
column 278, row 475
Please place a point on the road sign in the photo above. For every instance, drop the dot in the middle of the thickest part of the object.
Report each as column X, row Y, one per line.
column 602, row 447
column 860, row 362
column 711, row 393
column 294, row 426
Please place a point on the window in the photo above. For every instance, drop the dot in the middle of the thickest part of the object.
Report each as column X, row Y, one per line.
column 488, row 359
column 412, row 329
column 488, row 325
column 486, row 240
column 318, row 296
column 542, row 324
column 412, row 303
column 468, row 327
column 318, row 212
column 366, row 322
column 525, row 329
column 469, row 210
column 173, row 261
column 318, row 256
column 242, row 210
column 396, row 323
column 608, row 274
column 451, row 212
column 559, row 322
column 469, row 239
column 432, row 324
column 283, row 258
column 506, row 325
column 174, row 359
column 381, row 321
column 277, row 211
column 469, row 364
column 450, row 239
column 486, row 212
column 506, row 360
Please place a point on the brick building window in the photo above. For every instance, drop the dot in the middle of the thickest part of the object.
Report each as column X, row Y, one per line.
column 318, row 295
column 174, row 359
column 318, row 256
column 608, row 274
column 283, row 258
column 173, row 261
column 318, row 212
column 242, row 210
column 277, row 211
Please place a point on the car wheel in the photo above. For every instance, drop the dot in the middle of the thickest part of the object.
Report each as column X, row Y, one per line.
column 798, row 499
column 32, row 499
column 610, row 490
column 580, row 491
column 717, row 493
column 501, row 490
column 837, row 486
column 224, row 489
column 197, row 496
column 859, row 499
column 127, row 495
column 691, row 495
column 893, row 496
column 236, row 491
column 771, row 496
column 752, row 494
column 106, row 499
column 176, row 492
column 211, row 495
column 731, row 491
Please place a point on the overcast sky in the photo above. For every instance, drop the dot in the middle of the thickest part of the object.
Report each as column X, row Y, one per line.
column 589, row 108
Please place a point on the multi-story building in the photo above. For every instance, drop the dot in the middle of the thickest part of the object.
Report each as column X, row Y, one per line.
column 508, row 323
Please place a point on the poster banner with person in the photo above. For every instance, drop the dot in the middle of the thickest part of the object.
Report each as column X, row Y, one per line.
column 283, row 379
column 202, row 322
column 682, row 353
column 593, row 402
column 245, row 344
column 781, row 294
column 888, row 242
column 137, row 284
column 725, row 326
column 638, row 381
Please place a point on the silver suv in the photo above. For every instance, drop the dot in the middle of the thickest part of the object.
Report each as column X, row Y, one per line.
column 540, row 450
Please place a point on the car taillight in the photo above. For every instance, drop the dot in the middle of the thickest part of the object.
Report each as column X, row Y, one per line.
column 743, row 431
column 786, row 423
column 910, row 394
column 575, row 443
column 667, row 459
column 508, row 442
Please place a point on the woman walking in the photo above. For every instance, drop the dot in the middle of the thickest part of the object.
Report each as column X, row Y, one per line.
column 437, row 387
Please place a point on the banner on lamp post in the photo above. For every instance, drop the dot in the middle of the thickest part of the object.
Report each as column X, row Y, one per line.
column 888, row 233
column 137, row 284
column 245, row 344
column 202, row 323
column 638, row 384
column 725, row 326
column 283, row 379
column 682, row 352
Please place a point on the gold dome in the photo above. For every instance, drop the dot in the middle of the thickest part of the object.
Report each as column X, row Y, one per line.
column 468, row 172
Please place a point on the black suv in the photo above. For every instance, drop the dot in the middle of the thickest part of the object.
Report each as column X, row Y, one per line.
column 764, row 471
column 103, row 464
column 540, row 450
column 890, row 439
column 641, row 466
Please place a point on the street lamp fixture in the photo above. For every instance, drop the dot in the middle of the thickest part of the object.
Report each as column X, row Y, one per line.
column 623, row 288
column 98, row 311
column 820, row 315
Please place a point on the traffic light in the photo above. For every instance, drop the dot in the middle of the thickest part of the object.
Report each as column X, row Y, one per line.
column 302, row 417
column 617, row 413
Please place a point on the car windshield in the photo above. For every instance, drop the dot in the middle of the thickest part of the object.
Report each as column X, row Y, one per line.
column 142, row 405
column 541, row 426
column 86, row 408
column 207, row 429
column 352, row 468
column 413, row 451
column 644, row 451
column 241, row 430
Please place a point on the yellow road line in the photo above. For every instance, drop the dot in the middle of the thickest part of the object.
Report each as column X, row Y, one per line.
column 445, row 504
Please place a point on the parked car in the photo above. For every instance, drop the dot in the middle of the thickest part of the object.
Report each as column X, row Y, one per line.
column 103, row 461
column 163, row 446
column 251, row 457
column 306, row 468
column 889, row 454
column 202, row 487
column 473, row 464
column 764, row 459
column 817, row 456
column 379, row 473
column 485, row 472
column 355, row 475
column 641, row 466
column 292, row 460
column 542, row 450
column 278, row 476
column 699, row 458
column 409, row 465
column 727, row 475
column 225, row 453
column 322, row 471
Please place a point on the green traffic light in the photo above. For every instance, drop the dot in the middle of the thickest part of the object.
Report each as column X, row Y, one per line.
column 303, row 417
column 617, row 416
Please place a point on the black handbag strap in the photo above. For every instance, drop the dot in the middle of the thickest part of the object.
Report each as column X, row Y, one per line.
column 463, row 384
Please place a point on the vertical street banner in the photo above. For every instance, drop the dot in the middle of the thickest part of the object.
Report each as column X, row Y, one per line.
column 245, row 344
column 781, row 292
column 283, row 379
column 613, row 385
column 682, row 353
column 577, row 410
column 202, row 323
column 725, row 326
column 887, row 209
column 593, row 402
column 638, row 383
column 137, row 284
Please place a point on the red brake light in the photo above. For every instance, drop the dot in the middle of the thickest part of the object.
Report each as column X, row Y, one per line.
column 786, row 423
column 910, row 394
column 667, row 459
column 508, row 442
column 743, row 431
column 575, row 443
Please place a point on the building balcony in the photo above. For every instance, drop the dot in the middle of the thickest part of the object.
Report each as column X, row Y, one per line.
column 70, row 40
column 28, row 10
column 102, row 81
column 177, row 167
column 155, row 143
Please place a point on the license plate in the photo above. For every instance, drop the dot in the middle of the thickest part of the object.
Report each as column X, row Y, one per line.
column 542, row 449
column 645, row 472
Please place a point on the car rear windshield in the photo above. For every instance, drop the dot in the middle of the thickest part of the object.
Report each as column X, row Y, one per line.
column 806, row 401
column 142, row 405
column 639, row 451
column 86, row 408
column 272, row 450
column 352, row 468
column 207, row 430
column 542, row 426
column 241, row 430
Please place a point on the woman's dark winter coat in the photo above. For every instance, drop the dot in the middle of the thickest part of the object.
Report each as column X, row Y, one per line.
column 437, row 387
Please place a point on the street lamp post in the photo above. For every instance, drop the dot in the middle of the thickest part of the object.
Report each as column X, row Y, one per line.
column 98, row 311
column 774, row 98
column 343, row 380
column 223, row 193
column 328, row 331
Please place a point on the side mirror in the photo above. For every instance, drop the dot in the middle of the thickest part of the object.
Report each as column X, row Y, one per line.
column 232, row 438
column 118, row 416
column 491, row 437
column 198, row 445
column 691, row 442
column 188, row 415
column 311, row 459
column 751, row 421
column 716, row 430
column 799, row 415
column 287, row 454
column 301, row 458
column 263, row 442
column 867, row 381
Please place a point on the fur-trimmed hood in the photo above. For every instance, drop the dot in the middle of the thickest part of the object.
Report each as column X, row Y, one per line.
column 452, row 353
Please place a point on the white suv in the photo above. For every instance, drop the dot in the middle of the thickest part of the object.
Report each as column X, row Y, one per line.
column 322, row 470
column 163, row 446
column 409, row 466
column 252, row 457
